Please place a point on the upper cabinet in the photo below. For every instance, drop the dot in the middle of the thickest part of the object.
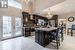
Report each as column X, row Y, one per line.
column 29, row 20
column 26, row 18
column 54, row 20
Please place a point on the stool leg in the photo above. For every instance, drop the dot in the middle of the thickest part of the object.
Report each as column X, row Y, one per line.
column 57, row 45
column 62, row 37
column 71, row 33
column 57, row 42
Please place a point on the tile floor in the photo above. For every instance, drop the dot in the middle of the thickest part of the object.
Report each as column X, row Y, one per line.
column 28, row 43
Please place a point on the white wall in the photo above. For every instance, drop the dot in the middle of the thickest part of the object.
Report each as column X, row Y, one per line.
column 66, row 16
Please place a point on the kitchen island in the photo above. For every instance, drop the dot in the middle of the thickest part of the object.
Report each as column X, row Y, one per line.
column 42, row 35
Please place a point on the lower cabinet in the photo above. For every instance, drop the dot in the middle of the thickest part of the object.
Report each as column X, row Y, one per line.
column 42, row 37
column 26, row 32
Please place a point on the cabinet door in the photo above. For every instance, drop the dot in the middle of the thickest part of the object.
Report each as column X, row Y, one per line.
column 52, row 23
column 36, row 36
column 46, row 38
column 42, row 40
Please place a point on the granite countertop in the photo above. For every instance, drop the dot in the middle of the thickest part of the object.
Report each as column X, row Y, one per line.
column 46, row 29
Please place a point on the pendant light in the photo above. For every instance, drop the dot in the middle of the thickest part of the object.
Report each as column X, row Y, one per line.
column 49, row 14
column 27, row 1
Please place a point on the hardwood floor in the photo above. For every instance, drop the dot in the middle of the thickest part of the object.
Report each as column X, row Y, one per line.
column 28, row 43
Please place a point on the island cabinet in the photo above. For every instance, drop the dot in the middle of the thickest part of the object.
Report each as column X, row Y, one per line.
column 42, row 37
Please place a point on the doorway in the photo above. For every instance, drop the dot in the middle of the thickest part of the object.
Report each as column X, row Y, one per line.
column 11, row 27
column 7, row 32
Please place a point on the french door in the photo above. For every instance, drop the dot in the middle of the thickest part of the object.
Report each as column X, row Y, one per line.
column 11, row 27
column 7, row 31
column 18, row 26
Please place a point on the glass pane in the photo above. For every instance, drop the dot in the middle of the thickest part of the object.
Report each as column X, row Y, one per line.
column 18, row 26
column 6, row 26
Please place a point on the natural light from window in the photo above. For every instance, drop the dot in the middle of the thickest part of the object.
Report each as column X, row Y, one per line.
column 14, row 3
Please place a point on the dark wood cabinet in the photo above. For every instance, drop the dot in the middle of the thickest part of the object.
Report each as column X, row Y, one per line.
column 55, row 18
column 26, row 29
column 26, row 16
column 27, row 32
column 42, row 37
column 36, row 17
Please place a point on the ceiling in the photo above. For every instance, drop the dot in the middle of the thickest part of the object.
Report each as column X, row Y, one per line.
column 43, row 4
column 65, row 7
column 39, row 6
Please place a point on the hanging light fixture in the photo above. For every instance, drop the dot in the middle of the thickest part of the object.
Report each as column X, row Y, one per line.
column 27, row 1
column 49, row 14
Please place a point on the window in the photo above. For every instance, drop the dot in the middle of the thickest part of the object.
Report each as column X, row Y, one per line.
column 3, row 3
column 15, row 4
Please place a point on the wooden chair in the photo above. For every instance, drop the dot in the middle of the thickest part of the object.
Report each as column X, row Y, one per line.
column 55, row 37
column 73, row 29
column 69, row 31
column 61, row 33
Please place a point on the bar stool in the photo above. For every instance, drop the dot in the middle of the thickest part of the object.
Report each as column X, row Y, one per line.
column 55, row 37
column 61, row 33
column 73, row 29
